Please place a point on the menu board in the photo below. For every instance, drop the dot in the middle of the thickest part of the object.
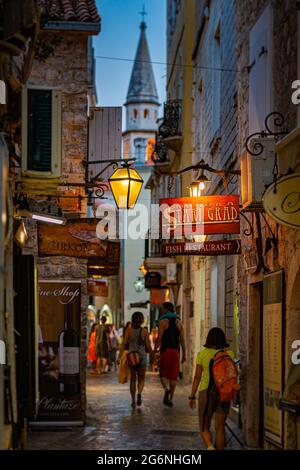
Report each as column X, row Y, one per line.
column 272, row 356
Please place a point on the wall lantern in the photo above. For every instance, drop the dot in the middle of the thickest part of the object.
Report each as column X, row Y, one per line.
column 198, row 186
column 21, row 235
column 125, row 184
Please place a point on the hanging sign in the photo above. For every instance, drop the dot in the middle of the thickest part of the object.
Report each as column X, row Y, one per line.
column 59, row 352
column 209, row 248
column 283, row 205
column 77, row 238
column 97, row 288
column 152, row 279
column 204, row 215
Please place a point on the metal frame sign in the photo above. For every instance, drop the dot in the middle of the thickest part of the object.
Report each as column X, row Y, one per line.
column 273, row 356
column 204, row 215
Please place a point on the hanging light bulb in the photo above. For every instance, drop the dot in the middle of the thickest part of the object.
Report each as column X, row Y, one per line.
column 125, row 184
column 198, row 185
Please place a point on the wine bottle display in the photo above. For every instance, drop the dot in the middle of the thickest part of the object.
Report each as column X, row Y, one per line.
column 68, row 355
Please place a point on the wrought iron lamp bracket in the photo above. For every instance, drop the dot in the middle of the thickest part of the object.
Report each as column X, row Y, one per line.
column 278, row 121
column 101, row 186
column 248, row 232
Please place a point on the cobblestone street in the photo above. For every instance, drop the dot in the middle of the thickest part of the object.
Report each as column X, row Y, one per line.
column 113, row 425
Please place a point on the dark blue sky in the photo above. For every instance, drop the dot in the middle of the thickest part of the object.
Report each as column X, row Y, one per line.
column 119, row 38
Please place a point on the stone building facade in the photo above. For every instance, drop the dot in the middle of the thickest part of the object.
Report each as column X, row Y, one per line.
column 281, row 56
column 245, row 57
column 63, row 67
column 214, row 278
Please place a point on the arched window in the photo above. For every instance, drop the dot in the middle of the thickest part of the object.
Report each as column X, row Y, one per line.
column 135, row 113
column 146, row 113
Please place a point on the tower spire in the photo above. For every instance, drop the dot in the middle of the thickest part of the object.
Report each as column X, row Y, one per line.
column 142, row 86
column 143, row 13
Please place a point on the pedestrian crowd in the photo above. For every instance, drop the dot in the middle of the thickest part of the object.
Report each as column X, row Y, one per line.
column 215, row 382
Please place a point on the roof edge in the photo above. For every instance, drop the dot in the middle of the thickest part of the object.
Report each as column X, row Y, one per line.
column 88, row 27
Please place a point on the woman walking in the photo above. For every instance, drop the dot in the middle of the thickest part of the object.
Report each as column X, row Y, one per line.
column 137, row 343
column 92, row 358
column 209, row 402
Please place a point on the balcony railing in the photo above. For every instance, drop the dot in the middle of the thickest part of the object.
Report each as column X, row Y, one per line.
column 169, row 135
column 171, row 125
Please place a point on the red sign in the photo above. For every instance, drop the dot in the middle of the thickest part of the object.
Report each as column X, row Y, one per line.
column 211, row 248
column 203, row 215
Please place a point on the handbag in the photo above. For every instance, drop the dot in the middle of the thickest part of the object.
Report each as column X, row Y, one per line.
column 133, row 358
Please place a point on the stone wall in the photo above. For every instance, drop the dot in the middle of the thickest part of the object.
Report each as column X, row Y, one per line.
column 67, row 71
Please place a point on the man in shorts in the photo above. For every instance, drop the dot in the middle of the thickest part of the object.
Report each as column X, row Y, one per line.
column 170, row 337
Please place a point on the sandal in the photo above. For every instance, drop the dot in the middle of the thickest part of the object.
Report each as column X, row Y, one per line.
column 139, row 399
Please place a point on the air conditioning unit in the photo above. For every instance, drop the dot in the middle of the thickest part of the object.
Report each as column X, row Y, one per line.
column 256, row 173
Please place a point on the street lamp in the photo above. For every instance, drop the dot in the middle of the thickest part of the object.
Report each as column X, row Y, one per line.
column 139, row 284
column 125, row 184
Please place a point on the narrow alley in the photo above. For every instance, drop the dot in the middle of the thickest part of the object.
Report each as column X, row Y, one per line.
column 113, row 425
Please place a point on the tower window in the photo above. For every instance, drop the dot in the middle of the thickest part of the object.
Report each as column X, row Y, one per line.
column 140, row 145
column 135, row 113
column 146, row 113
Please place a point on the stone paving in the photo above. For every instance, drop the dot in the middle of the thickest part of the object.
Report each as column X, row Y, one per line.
column 113, row 425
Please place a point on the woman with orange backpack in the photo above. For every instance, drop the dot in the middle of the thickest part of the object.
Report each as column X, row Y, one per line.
column 216, row 379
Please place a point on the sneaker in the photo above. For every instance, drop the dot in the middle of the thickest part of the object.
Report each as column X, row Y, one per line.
column 133, row 404
column 169, row 403
column 166, row 397
column 139, row 399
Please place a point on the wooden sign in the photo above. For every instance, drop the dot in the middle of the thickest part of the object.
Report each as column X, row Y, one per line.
column 77, row 238
column 97, row 288
column 152, row 279
column 203, row 215
column 210, row 248
column 107, row 266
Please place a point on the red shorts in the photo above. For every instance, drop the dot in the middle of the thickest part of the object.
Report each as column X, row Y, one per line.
column 169, row 364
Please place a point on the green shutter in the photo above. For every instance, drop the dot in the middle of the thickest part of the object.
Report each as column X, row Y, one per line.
column 39, row 130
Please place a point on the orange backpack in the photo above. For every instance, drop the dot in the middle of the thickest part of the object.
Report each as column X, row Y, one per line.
column 224, row 375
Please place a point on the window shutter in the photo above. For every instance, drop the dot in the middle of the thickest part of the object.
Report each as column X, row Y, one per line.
column 41, row 132
column 39, row 116
column 105, row 138
column 56, row 133
column 260, row 71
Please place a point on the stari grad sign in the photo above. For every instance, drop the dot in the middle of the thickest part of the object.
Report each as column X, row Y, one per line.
column 205, row 215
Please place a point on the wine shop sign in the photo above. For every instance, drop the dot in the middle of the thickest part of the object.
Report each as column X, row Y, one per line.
column 59, row 352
